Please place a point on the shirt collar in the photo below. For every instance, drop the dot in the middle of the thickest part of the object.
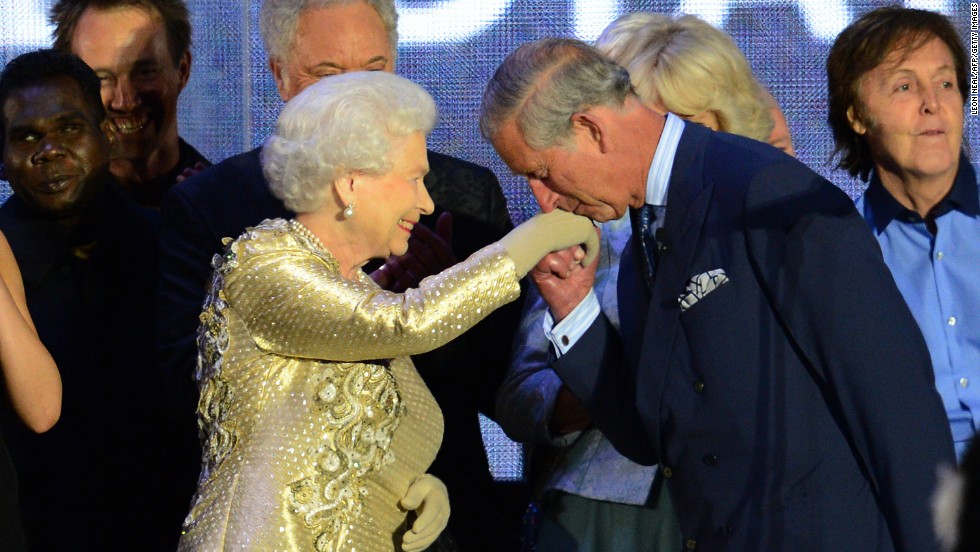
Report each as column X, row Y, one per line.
column 658, row 177
column 963, row 196
column 42, row 242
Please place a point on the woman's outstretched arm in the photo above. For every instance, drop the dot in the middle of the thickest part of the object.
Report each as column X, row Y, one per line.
column 31, row 376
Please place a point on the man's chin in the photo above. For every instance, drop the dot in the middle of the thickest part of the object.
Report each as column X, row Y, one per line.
column 129, row 151
column 59, row 208
column 598, row 214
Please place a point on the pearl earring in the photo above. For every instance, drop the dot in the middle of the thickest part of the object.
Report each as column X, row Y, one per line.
column 349, row 211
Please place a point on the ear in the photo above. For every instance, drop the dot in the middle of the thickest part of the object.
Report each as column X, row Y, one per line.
column 184, row 69
column 857, row 125
column 592, row 125
column 344, row 189
column 278, row 71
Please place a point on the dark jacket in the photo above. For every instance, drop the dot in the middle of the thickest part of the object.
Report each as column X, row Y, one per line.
column 91, row 482
column 792, row 408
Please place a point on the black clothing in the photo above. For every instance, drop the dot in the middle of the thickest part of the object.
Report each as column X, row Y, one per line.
column 151, row 192
column 91, row 482
column 11, row 530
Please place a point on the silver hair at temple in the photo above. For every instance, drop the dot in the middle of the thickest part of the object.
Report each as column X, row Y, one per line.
column 544, row 83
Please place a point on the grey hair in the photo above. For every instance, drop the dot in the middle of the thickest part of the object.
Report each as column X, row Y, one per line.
column 337, row 126
column 543, row 84
column 279, row 19
column 687, row 66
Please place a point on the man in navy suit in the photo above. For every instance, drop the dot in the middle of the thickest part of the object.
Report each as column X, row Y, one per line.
column 765, row 357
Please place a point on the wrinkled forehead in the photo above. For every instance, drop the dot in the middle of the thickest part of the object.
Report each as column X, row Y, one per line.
column 354, row 29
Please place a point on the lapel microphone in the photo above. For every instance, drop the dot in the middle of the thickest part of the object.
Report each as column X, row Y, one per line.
column 661, row 237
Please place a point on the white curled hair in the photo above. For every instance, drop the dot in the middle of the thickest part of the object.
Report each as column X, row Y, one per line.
column 337, row 126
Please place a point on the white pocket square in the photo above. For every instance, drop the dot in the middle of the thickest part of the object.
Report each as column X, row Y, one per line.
column 701, row 285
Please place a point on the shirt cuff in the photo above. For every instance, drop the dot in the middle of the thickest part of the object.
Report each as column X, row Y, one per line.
column 566, row 333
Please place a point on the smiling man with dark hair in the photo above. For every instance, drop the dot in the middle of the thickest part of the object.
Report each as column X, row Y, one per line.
column 140, row 50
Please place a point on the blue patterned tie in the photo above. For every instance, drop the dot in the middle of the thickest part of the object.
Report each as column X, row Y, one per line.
column 646, row 221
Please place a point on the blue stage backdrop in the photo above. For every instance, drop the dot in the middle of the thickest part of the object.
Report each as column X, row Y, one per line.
column 451, row 47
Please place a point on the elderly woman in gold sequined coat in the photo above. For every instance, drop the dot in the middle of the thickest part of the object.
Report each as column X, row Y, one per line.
column 318, row 430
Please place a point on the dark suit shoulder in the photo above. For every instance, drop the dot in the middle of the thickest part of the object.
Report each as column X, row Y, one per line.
column 773, row 186
column 468, row 190
column 450, row 164
column 226, row 198
column 225, row 177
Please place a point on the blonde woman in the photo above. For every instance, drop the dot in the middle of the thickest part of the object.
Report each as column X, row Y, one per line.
column 684, row 65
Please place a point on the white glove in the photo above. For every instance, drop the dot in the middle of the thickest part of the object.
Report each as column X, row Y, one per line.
column 546, row 232
column 429, row 498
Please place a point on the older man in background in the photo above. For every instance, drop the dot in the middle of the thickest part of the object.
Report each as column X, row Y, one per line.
column 897, row 86
column 140, row 49
column 307, row 40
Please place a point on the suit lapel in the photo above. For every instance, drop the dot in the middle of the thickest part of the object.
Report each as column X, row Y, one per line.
column 688, row 197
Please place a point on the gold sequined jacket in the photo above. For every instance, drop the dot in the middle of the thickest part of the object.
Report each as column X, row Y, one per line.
column 314, row 418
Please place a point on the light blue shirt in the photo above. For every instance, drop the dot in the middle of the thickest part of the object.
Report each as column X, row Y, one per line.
column 939, row 277
column 571, row 328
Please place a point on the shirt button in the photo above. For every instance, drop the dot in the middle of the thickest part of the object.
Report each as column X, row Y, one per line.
column 951, row 321
column 691, row 544
column 699, row 387
column 710, row 460
column 564, row 340
column 668, row 473
column 939, row 256
column 964, row 382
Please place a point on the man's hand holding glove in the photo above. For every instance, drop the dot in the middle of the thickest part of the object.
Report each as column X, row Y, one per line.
column 546, row 232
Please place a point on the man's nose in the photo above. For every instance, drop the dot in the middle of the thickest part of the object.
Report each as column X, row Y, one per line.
column 48, row 150
column 930, row 100
column 546, row 198
column 124, row 96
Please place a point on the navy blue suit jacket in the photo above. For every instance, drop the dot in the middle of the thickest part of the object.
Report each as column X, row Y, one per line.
column 792, row 408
